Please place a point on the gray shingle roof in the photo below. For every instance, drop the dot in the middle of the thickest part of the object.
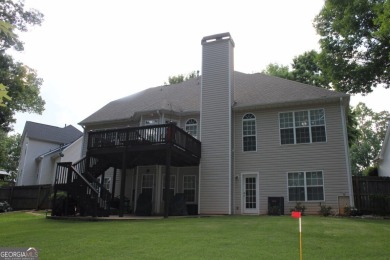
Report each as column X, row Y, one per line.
column 249, row 90
column 53, row 134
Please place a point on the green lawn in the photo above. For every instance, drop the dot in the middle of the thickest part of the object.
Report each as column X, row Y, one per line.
column 228, row 237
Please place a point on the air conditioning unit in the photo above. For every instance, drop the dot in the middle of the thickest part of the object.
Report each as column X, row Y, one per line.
column 276, row 206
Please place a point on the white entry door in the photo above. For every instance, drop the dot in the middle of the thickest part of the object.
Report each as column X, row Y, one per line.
column 250, row 193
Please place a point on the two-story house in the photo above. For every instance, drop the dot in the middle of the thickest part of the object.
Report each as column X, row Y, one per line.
column 42, row 146
column 233, row 142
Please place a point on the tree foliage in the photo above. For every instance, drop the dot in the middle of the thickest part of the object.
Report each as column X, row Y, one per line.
column 355, row 44
column 23, row 89
column 14, row 17
column 20, row 85
column 3, row 95
column 181, row 78
column 278, row 70
column 305, row 69
column 9, row 153
column 372, row 130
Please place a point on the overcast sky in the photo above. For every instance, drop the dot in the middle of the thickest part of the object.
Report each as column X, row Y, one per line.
column 91, row 52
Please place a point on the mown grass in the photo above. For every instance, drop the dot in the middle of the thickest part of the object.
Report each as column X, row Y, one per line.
column 228, row 237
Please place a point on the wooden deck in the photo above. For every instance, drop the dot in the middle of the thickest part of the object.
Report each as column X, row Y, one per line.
column 145, row 145
column 123, row 149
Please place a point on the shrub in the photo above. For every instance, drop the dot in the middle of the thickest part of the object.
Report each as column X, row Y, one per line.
column 4, row 206
column 371, row 171
column 299, row 207
column 325, row 210
column 351, row 211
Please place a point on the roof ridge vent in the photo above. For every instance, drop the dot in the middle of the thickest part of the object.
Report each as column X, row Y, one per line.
column 217, row 37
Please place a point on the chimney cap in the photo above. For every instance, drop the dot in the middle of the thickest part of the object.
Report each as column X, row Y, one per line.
column 217, row 37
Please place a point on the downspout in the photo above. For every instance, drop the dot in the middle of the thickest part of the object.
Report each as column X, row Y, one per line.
column 230, row 138
column 136, row 188
column 24, row 164
column 40, row 159
column 346, row 150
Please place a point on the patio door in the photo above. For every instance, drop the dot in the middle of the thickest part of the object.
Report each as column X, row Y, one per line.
column 250, row 193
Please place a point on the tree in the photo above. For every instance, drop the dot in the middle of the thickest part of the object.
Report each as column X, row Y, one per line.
column 355, row 44
column 306, row 69
column 14, row 16
column 23, row 89
column 181, row 78
column 372, row 130
column 10, row 153
column 278, row 70
column 19, row 84
column 3, row 94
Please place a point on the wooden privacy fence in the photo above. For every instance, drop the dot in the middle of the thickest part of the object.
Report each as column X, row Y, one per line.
column 372, row 194
column 27, row 197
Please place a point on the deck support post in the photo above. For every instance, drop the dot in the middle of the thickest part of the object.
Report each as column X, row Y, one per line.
column 123, row 183
column 113, row 184
column 168, row 160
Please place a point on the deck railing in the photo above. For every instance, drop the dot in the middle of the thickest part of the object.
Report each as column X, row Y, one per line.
column 83, row 183
column 144, row 135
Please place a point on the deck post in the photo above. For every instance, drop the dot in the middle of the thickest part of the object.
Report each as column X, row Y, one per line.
column 167, row 180
column 123, row 183
column 113, row 184
column 68, row 182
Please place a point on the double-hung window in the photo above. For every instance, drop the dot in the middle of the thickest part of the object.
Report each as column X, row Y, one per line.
column 249, row 132
column 306, row 126
column 305, row 186
column 106, row 183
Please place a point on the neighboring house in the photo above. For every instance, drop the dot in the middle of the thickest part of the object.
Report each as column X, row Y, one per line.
column 42, row 147
column 384, row 155
column 263, row 141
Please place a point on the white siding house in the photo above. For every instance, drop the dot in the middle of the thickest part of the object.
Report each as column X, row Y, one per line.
column 384, row 155
column 41, row 149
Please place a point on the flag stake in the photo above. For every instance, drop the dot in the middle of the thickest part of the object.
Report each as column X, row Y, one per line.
column 297, row 214
column 300, row 238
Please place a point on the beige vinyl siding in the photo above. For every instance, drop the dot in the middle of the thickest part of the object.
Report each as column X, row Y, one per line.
column 215, row 128
column 273, row 161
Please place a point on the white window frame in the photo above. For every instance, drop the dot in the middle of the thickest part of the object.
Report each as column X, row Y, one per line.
column 147, row 187
column 190, row 127
column 151, row 122
column 249, row 135
column 107, row 181
column 309, row 125
column 305, row 186
column 194, row 189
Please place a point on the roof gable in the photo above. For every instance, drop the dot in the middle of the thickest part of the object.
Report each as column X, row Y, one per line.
column 50, row 133
column 249, row 90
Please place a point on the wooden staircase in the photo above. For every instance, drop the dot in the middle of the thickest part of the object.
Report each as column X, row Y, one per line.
column 85, row 195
